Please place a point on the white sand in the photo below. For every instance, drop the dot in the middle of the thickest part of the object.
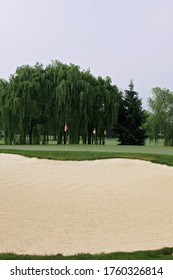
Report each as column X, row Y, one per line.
column 50, row 207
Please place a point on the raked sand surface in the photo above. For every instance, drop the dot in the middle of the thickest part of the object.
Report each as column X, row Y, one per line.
column 68, row 207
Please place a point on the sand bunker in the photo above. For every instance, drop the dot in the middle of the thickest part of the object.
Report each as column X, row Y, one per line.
column 50, row 207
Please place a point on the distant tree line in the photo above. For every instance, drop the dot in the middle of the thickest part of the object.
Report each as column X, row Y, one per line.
column 64, row 102
column 38, row 102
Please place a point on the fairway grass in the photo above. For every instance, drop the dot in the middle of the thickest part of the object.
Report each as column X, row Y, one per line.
column 160, row 155
column 93, row 148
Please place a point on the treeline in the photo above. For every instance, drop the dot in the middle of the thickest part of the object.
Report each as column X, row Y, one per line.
column 38, row 101
column 62, row 101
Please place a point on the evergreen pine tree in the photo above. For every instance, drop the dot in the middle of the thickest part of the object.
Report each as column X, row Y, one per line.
column 131, row 118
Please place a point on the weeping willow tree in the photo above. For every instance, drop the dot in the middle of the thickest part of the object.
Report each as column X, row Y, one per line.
column 7, row 124
column 24, row 93
column 106, row 106
column 74, row 90
column 0, row 119
column 86, row 106
column 37, row 102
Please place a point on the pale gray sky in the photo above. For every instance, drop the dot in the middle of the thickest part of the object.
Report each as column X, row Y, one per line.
column 122, row 39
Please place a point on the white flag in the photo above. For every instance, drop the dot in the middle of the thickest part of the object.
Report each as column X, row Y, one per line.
column 65, row 127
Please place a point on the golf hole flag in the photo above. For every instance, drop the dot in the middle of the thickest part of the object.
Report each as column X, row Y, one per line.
column 65, row 127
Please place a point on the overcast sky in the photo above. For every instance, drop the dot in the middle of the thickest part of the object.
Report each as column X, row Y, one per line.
column 123, row 39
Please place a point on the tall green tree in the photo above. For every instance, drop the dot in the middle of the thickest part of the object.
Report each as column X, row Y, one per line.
column 131, row 119
column 161, row 120
column 7, row 114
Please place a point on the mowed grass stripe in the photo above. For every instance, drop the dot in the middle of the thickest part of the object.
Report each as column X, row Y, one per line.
column 93, row 148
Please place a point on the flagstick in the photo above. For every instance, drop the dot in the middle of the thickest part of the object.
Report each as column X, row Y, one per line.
column 94, row 133
column 66, row 142
column 65, row 135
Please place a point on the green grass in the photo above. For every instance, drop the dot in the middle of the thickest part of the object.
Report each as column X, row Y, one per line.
column 161, row 155
column 91, row 155
column 162, row 254
column 95, row 148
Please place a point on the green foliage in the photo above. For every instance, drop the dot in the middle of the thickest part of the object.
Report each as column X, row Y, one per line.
column 37, row 102
column 160, row 122
column 131, row 119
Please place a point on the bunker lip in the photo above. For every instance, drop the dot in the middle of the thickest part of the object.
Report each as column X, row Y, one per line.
column 67, row 207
